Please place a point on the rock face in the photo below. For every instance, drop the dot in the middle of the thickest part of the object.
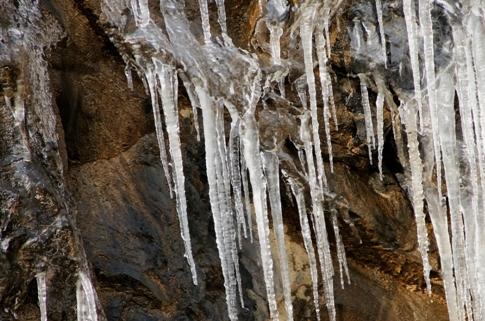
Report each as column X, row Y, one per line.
column 112, row 200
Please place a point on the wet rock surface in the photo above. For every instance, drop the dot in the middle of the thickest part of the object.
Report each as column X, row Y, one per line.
column 119, row 199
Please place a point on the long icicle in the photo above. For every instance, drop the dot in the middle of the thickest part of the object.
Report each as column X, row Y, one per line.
column 427, row 33
column 417, row 190
column 152, row 86
column 325, row 83
column 210, row 141
column 382, row 34
column 271, row 166
column 306, row 34
column 253, row 161
column 168, row 92
column 410, row 18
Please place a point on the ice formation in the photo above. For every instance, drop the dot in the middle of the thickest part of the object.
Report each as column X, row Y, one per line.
column 42, row 294
column 86, row 299
column 234, row 197
column 243, row 166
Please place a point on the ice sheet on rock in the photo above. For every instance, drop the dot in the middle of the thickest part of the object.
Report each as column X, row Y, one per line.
column 42, row 294
column 167, row 90
column 271, row 167
column 416, row 168
column 369, row 126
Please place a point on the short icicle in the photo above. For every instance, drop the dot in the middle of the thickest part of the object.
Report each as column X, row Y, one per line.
column 42, row 294
column 380, row 127
column 369, row 126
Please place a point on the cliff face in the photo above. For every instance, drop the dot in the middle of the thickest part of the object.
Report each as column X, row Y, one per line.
column 112, row 202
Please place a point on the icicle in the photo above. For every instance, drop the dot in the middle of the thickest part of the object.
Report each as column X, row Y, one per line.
column 427, row 33
column 440, row 227
column 168, row 93
column 129, row 77
column 275, row 32
column 247, row 203
column 204, row 17
column 152, row 86
column 342, row 258
column 307, row 241
column 253, row 161
column 306, row 34
column 452, row 174
column 211, row 151
column 325, row 82
column 229, row 230
column 141, row 12
column 236, row 177
column 369, row 126
column 417, row 190
column 271, row 165
column 411, row 27
column 380, row 128
column 476, row 70
column 42, row 294
column 221, row 10
column 381, row 31
column 86, row 299
column 316, row 193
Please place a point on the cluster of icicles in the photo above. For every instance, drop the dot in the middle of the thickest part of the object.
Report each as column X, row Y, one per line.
column 244, row 177
column 237, row 87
